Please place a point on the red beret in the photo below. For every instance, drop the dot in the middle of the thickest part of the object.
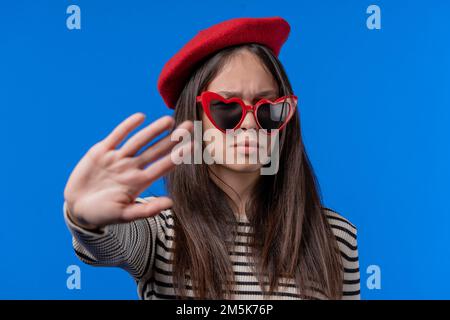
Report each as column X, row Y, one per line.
column 271, row 32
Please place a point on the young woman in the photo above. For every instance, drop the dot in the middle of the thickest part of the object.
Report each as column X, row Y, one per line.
column 226, row 231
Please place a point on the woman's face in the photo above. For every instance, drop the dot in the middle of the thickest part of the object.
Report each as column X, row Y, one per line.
column 244, row 76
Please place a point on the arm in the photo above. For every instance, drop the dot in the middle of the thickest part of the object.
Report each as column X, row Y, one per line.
column 346, row 236
column 110, row 224
column 351, row 286
column 130, row 245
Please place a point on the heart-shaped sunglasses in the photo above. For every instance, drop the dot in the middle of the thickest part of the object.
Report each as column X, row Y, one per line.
column 229, row 113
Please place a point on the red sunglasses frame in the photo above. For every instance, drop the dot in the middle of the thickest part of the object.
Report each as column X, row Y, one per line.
column 206, row 96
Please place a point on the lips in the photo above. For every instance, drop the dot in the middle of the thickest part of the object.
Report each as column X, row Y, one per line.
column 248, row 144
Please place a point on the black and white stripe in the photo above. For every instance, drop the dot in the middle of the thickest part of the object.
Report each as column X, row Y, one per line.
column 144, row 248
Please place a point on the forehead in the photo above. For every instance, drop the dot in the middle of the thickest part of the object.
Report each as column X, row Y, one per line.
column 244, row 72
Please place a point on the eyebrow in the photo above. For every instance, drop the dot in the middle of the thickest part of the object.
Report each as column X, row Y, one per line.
column 264, row 93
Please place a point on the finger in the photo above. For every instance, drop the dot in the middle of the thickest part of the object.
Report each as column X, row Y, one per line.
column 144, row 136
column 148, row 209
column 165, row 145
column 123, row 129
column 166, row 164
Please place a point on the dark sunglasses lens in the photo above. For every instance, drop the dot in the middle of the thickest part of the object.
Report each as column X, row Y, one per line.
column 273, row 116
column 225, row 115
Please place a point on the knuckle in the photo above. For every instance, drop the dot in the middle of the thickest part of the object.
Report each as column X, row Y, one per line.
column 107, row 159
column 98, row 147
column 168, row 120
column 132, row 179
column 121, row 165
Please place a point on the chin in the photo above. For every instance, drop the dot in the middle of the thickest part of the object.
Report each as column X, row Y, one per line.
column 243, row 168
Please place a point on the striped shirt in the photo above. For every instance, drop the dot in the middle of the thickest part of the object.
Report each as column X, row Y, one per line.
column 144, row 248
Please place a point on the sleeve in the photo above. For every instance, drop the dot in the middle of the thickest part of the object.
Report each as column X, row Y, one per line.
column 130, row 246
column 349, row 250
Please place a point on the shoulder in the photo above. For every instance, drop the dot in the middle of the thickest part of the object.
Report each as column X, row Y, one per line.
column 339, row 222
column 345, row 233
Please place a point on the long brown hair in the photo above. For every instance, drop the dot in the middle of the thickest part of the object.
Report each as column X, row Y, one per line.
column 292, row 237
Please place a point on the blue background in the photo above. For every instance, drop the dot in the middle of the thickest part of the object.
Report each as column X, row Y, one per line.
column 374, row 109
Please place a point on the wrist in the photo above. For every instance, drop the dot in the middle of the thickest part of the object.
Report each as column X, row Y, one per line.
column 78, row 221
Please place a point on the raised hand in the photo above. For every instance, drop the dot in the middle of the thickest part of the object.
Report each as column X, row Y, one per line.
column 104, row 184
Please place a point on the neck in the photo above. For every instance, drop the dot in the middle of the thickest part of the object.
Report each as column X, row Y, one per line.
column 237, row 185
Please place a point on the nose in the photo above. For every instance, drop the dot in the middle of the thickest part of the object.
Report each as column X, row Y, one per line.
column 249, row 121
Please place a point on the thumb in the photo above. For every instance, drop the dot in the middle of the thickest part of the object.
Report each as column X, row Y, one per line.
column 148, row 208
